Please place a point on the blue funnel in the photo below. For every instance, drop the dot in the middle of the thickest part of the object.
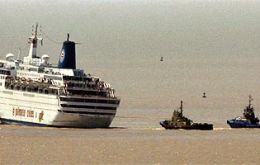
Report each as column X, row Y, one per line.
column 67, row 58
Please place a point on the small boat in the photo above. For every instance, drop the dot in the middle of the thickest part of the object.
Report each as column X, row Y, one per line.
column 179, row 121
column 248, row 120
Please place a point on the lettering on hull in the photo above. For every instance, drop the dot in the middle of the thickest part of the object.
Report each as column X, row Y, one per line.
column 23, row 113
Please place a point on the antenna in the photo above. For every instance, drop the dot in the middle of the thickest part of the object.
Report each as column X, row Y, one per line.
column 36, row 30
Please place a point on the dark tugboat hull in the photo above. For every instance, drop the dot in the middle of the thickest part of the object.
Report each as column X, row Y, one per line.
column 194, row 126
column 241, row 124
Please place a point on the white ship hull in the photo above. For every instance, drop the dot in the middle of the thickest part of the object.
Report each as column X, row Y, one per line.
column 45, row 110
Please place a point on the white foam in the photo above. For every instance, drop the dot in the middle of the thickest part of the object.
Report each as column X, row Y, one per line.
column 221, row 129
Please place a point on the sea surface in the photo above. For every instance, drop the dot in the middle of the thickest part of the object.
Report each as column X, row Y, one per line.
column 207, row 45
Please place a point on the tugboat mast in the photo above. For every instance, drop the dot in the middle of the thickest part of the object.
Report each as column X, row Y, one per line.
column 181, row 108
column 250, row 100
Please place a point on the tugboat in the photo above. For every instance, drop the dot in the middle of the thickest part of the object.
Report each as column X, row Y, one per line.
column 179, row 121
column 248, row 120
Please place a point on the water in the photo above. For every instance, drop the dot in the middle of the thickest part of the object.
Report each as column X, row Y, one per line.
column 208, row 46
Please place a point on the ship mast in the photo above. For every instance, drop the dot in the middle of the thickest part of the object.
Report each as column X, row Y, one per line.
column 33, row 43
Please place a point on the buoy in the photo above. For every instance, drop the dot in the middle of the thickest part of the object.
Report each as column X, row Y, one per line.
column 161, row 59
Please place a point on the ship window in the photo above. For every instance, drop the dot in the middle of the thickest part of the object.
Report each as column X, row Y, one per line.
column 33, row 69
column 0, row 83
column 53, row 77
column 89, row 100
column 5, row 72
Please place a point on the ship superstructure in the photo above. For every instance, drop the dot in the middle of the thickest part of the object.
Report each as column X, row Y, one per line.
column 35, row 92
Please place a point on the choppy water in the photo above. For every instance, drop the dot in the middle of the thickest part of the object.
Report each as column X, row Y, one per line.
column 208, row 46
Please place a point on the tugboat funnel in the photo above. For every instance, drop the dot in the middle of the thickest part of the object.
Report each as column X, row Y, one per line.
column 67, row 57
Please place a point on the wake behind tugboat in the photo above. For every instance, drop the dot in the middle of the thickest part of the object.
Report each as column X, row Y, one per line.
column 179, row 121
column 248, row 120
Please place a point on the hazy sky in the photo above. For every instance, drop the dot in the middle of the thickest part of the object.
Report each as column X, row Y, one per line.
column 199, row 39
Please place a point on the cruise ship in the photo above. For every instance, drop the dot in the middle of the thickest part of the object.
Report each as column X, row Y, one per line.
column 35, row 92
